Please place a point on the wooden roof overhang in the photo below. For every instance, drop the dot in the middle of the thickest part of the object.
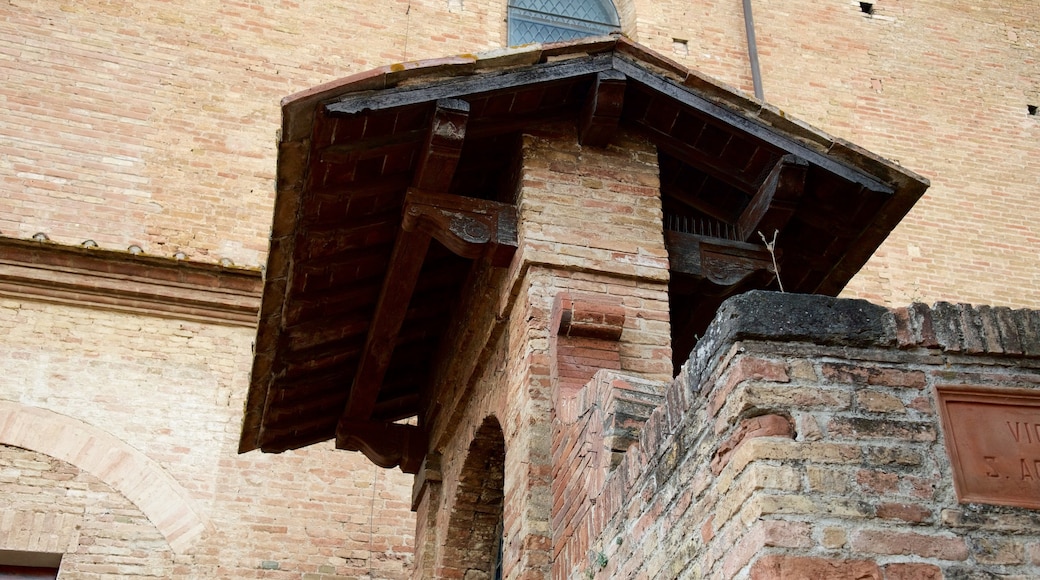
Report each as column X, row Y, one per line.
column 394, row 183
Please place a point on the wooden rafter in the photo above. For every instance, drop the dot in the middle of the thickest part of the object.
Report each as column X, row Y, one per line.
column 713, row 166
column 350, row 151
column 663, row 86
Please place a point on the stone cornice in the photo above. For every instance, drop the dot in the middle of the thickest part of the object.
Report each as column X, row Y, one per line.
column 125, row 282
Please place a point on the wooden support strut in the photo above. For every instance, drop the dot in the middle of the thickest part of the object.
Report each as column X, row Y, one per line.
column 443, row 147
column 472, row 228
column 775, row 201
column 602, row 110
column 436, row 166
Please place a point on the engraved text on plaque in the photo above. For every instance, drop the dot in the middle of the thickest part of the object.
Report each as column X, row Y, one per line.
column 993, row 438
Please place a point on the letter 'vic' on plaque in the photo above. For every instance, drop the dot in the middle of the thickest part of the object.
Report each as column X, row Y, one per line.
column 993, row 438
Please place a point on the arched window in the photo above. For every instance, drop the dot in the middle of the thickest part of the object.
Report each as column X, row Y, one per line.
column 557, row 20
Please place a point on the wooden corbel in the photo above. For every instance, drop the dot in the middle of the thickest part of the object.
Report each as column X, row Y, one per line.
column 721, row 262
column 469, row 227
column 385, row 444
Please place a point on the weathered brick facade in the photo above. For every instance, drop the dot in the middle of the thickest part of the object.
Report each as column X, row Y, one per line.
column 154, row 124
column 802, row 441
column 119, row 435
column 807, row 452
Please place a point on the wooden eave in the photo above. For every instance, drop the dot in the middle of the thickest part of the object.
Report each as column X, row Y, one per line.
column 394, row 183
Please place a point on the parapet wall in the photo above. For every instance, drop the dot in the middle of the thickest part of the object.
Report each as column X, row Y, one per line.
column 803, row 439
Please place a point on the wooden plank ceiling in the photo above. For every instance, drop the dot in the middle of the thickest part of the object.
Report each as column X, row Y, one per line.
column 388, row 197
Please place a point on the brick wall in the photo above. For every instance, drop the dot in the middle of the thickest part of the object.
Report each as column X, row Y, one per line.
column 153, row 124
column 940, row 87
column 51, row 506
column 126, row 426
column 803, row 440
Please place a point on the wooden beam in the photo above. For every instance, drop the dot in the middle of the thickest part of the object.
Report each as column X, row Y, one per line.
column 469, row 227
column 776, row 201
column 399, row 284
column 436, row 167
column 459, row 87
column 443, row 146
column 602, row 110
column 385, row 444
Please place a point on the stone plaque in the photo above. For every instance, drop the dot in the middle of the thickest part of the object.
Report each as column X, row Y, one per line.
column 993, row 438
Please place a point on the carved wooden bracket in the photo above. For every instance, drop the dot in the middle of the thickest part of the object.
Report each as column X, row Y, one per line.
column 602, row 110
column 469, row 227
column 722, row 262
column 385, row 444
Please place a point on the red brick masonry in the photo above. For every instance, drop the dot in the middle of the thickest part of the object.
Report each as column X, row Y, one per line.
column 801, row 440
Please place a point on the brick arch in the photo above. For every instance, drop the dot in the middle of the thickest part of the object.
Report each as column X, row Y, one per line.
column 141, row 480
column 474, row 528
column 626, row 11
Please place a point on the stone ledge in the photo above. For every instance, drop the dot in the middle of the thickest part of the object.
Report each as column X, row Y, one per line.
column 804, row 317
column 840, row 322
column 780, row 317
column 125, row 282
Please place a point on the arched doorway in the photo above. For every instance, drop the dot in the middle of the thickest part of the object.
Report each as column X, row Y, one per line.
column 473, row 546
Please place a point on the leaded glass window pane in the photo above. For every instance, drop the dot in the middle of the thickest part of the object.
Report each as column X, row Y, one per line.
column 557, row 20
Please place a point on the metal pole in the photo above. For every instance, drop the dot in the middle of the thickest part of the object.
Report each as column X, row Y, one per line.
column 752, row 48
